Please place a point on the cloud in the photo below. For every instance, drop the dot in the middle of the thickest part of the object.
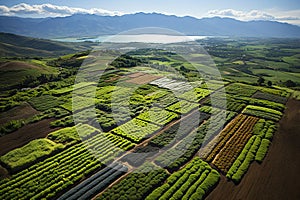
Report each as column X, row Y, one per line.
column 50, row 10
column 291, row 16
column 246, row 16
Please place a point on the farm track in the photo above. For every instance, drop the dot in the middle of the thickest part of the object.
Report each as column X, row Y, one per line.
column 278, row 176
column 166, row 128
column 131, row 168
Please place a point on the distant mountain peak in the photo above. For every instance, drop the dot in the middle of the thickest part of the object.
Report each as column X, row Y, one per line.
column 80, row 25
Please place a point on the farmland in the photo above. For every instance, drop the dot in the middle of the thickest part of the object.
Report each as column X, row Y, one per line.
column 152, row 127
column 191, row 182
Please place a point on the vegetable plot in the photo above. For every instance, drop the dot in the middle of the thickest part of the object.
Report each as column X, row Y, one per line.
column 136, row 130
column 136, row 185
column 62, row 170
column 193, row 181
column 255, row 149
column 93, row 185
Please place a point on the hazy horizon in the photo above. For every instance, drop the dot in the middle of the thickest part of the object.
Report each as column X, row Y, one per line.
column 279, row 10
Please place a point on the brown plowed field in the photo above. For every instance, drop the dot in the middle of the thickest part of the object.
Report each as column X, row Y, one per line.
column 19, row 112
column 143, row 79
column 24, row 135
column 278, row 176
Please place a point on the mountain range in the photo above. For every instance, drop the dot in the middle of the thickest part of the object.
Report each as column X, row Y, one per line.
column 85, row 25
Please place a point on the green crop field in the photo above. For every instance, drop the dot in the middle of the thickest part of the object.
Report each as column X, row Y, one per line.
column 29, row 153
column 155, row 125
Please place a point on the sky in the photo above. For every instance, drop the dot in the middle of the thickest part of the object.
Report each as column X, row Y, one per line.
column 277, row 10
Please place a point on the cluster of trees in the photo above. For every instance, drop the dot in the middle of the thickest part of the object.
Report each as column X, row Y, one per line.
column 126, row 61
column 288, row 83
column 67, row 67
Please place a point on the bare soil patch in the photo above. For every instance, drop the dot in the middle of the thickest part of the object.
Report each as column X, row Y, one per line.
column 134, row 75
column 22, row 111
column 278, row 176
column 16, row 66
column 143, row 79
column 24, row 135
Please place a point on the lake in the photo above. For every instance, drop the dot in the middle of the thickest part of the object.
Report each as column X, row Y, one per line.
column 146, row 38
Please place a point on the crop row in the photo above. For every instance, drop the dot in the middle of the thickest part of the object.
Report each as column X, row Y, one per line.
column 193, row 181
column 209, row 109
column 158, row 116
column 44, row 102
column 255, row 149
column 176, row 156
column 35, row 150
column 96, row 183
column 62, row 170
column 195, row 95
column 166, row 100
column 136, row 185
column 117, row 104
column 264, row 129
column 265, row 103
column 270, row 97
column 65, row 90
column 182, row 107
column 232, row 147
column 210, row 150
column 261, row 112
column 275, row 91
column 74, row 134
column 136, row 130
column 179, row 130
column 235, row 102
column 231, row 104
column 173, row 85
column 78, row 103
column 240, row 89
column 167, row 138
column 140, row 154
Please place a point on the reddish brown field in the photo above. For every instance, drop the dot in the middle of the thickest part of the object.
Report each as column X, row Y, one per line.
column 24, row 135
column 278, row 176
column 142, row 78
column 20, row 112
column 134, row 75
